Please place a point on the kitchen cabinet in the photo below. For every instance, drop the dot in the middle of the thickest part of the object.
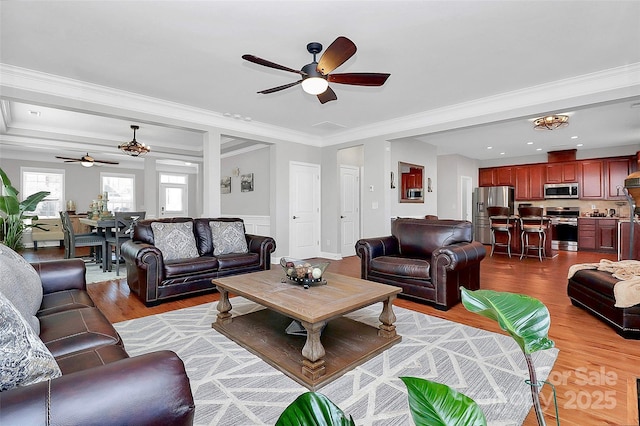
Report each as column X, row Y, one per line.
column 487, row 177
column 529, row 182
column 617, row 169
column 586, row 234
column 504, row 176
column 561, row 172
column 598, row 234
column 591, row 179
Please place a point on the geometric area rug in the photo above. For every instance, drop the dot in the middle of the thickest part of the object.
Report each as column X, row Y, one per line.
column 231, row 386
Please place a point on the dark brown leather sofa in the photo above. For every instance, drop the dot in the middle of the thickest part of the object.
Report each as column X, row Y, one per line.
column 100, row 383
column 429, row 259
column 592, row 290
column 155, row 280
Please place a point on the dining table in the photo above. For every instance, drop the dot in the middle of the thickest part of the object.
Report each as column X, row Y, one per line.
column 103, row 227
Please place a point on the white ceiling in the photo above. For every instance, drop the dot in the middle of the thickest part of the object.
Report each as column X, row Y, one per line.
column 439, row 53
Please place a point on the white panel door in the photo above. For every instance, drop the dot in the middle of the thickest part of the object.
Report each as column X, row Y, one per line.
column 173, row 197
column 304, row 214
column 349, row 209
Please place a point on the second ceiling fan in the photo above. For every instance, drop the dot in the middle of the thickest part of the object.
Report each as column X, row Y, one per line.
column 316, row 75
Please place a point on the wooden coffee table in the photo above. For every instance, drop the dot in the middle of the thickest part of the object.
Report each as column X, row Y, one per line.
column 333, row 344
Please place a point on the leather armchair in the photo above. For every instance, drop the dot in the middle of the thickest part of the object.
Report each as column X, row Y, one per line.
column 429, row 259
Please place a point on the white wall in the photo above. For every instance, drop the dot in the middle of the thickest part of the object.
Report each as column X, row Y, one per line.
column 450, row 168
column 422, row 154
column 255, row 202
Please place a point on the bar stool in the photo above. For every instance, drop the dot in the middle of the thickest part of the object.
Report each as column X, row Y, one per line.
column 501, row 223
column 533, row 223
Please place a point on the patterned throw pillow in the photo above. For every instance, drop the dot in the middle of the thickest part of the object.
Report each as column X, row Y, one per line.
column 175, row 240
column 20, row 283
column 24, row 359
column 228, row 237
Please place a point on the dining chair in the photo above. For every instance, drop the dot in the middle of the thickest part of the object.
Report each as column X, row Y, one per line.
column 500, row 223
column 533, row 223
column 73, row 240
column 121, row 232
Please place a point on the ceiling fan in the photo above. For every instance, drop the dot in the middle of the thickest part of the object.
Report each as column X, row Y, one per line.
column 86, row 160
column 316, row 75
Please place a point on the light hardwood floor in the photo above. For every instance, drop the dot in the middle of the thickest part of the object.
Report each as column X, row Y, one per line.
column 596, row 370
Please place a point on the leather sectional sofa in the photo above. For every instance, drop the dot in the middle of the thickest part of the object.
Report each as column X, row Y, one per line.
column 592, row 290
column 100, row 383
column 155, row 279
column 429, row 259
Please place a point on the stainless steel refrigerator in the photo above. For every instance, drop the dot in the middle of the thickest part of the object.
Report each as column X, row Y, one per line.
column 484, row 197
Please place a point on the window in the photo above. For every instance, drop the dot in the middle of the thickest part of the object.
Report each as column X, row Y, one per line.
column 120, row 189
column 52, row 180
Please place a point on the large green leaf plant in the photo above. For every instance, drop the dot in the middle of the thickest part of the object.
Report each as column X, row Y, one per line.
column 14, row 212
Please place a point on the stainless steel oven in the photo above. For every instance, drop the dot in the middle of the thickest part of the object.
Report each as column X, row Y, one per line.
column 564, row 227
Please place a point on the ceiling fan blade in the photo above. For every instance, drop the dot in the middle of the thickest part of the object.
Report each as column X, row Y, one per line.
column 327, row 95
column 269, row 64
column 359, row 78
column 336, row 54
column 277, row 89
column 105, row 162
column 69, row 159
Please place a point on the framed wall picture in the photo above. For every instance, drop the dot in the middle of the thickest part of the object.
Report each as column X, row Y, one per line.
column 246, row 182
column 225, row 185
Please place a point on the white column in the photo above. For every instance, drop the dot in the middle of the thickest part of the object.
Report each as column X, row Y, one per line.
column 211, row 174
column 150, row 188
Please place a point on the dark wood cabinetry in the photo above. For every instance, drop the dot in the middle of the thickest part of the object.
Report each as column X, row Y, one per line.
column 598, row 234
column 529, row 182
column 487, row 177
column 591, row 179
column 504, row 176
column 562, row 172
column 598, row 178
column 617, row 170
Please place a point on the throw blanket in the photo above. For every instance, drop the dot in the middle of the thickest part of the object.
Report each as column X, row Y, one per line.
column 626, row 291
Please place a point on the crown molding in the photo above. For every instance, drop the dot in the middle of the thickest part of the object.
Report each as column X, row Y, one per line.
column 611, row 84
column 606, row 85
column 88, row 93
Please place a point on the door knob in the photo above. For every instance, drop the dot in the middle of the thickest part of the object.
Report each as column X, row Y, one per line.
column 295, row 217
column 342, row 217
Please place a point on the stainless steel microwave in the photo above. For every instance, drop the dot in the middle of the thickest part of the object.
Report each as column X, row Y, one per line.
column 561, row 190
column 414, row 193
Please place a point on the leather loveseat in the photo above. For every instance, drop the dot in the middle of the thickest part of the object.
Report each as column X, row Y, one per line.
column 100, row 383
column 429, row 259
column 592, row 290
column 155, row 279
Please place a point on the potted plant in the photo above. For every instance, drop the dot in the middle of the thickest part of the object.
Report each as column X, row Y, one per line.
column 313, row 409
column 14, row 212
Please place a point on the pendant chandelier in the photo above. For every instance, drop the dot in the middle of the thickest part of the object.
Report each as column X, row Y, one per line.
column 134, row 148
column 551, row 122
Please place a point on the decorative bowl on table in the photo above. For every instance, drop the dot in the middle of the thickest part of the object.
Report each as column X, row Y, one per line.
column 303, row 272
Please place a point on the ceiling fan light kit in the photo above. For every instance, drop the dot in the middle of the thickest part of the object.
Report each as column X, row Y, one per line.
column 86, row 160
column 316, row 75
column 134, row 148
column 551, row 122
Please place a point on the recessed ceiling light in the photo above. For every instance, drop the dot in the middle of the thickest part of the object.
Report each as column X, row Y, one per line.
column 529, row 143
column 36, row 113
column 538, row 149
column 489, row 147
column 502, row 153
column 579, row 144
column 574, row 137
